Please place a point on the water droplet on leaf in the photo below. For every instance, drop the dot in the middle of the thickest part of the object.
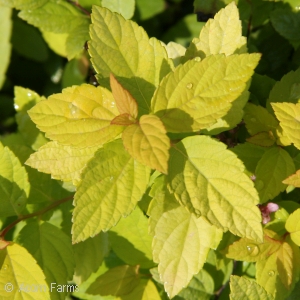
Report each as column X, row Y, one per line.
column 16, row 106
column 29, row 94
column 189, row 85
column 271, row 273
column 5, row 267
column 252, row 249
column 197, row 58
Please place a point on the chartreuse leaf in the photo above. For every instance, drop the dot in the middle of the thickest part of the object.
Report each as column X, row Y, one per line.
column 113, row 182
column 56, row 42
column 130, row 240
column 248, row 250
column 180, row 247
column 198, row 93
column 20, row 276
column 274, row 166
column 146, row 290
column 264, row 139
column 117, row 281
column 58, row 17
column 175, row 52
column 5, row 46
column 123, row 7
column 148, row 143
column 293, row 180
column 126, row 104
column 23, row 101
column 285, row 90
column 249, row 154
column 123, row 48
column 210, row 181
column 24, row 4
column 223, row 34
column 53, row 251
column 80, row 116
column 258, row 119
column 14, row 185
column 243, row 288
column 292, row 225
column 62, row 162
column 232, row 118
column 89, row 255
column 288, row 116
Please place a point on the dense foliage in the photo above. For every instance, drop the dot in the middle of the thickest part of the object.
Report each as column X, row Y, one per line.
column 134, row 169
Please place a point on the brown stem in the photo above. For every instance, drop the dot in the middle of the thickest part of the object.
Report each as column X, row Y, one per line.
column 75, row 3
column 38, row 213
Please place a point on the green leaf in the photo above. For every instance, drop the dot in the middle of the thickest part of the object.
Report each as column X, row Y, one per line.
column 56, row 42
column 14, row 186
column 117, row 281
column 243, row 288
column 223, row 34
column 200, row 287
column 58, row 17
column 133, row 53
column 76, row 40
column 24, row 4
column 274, row 166
column 288, row 116
column 286, row 23
column 175, row 52
column 292, row 225
column 89, row 255
column 198, row 93
column 148, row 143
column 258, row 119
column 80, row 116
column 130, row 240
column 148, row 9
column 285, row 90
column 5, row 46
column 209, row 180
column 249, row 154
column 123, row 7
column 264, row 139
column 75, row 72
column 62, row 162
column 21, row 275
column 112, row 185
column 248, row 250
column 180, row 247
column 24, row 100
column 53, row 251
column 232, row 118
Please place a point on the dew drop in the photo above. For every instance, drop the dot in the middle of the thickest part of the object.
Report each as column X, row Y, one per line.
column 111, row 178
column 252, row 249
column 189, row 85
column 5, row 267
column 197, row 58
column 112, row 105
column 16, row 106
column 271, row 273
column 253, row 120
column 29, row 94
column 259, row 184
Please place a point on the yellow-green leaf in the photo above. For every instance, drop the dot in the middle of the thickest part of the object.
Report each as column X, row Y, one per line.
column 180, row 247
column 117, row 281
column 62, row 162
column 5, row 46
column 292, row 225
column 14, row 185
column 210, row 181
column 123, row 48
column 20, row 275
column 80, row 116
column 198, row 93
column 285, row 264
column 264, row 139
column 258, row 119
column 148, row 143
column 223, row 34
column 126, row 104
column 175, row 52
column 288, row 115
column 113, row 182
column 243, row 288
column 123, row 7
column 274, row 166
column 293, row 180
